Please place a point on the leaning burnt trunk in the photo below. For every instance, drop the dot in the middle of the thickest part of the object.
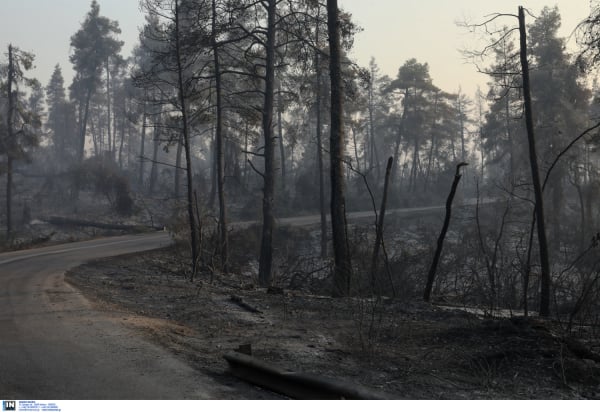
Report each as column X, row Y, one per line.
column 442, row 237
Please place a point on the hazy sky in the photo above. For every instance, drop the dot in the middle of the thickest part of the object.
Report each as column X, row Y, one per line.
column 394, row 31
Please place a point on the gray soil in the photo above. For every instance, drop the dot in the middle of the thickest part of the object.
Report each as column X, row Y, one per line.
column 405, row 349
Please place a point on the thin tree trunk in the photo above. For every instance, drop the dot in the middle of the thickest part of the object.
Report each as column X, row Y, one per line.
column 9, row 184
column 509, row 135
column 111, row 148
column 95, row 138
column 355, row 148
column 343, row 265
column 374, row 155
column 320, row 167
column 539, row 203
column 281, row 145
column 414, row 170
column 480, row 125
column 187, row 147
column 433, row 142
column 122, row 141
column 178, row 168
column 440, row 241
column 223, row 240
column 463, row 152
column 10, row 141
column 142, row 146
column 114, row 126
column 213, row 171
column 246, row 174
column 83, row 129
column 430, row 162
column 129, row 145
column 399, row 138
column 234, row 159
column 156, row 144
column 380, row 221
column 266, row 247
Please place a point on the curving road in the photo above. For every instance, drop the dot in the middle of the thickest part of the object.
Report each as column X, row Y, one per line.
column 54, row 345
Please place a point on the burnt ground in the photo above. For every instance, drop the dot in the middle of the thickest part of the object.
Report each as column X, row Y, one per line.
column 406, row 349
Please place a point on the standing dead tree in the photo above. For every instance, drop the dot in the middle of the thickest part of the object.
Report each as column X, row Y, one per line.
column 266, row 247
column 380, row 220
column 537, row 186
column 319, row 135
column 174, row 71
column 10, row 134
column 183, row 107
column 440, row 241
column 341, row 250
column 219, row 140
column 533, row 161
column 559, row 156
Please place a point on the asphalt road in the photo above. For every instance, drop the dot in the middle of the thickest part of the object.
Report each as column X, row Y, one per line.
column 407, row 211
column 55, row 345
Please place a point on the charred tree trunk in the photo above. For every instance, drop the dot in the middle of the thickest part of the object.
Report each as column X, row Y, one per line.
column 399, row 138
column 414, row 170
column 343, row 265
column 433, row 142
column 10, row 141
column 83, row 126
column 142, row 145
column 111, row 147
column 245, row 170
column 95, row 138
column 9, row 184
column 213, row 171
column 320, row 167
column 374, row 154
column 178, row 167
column 379, row 228
column 539, row 203
column 156, row 144
column 223, row 240
column 507, row 119
column 122, row 144
column 461, row 114
column 129, row 143
column 266, row 247
column 187, row 146
column 440, row 241
column 280, row 136
column 355, row 143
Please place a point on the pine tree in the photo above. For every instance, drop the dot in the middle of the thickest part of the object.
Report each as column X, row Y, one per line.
column 93, row 46
column 20, row 124
column 60, row 120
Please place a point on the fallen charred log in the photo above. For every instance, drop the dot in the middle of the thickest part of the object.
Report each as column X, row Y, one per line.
column 294, row 384
column 65, row 221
